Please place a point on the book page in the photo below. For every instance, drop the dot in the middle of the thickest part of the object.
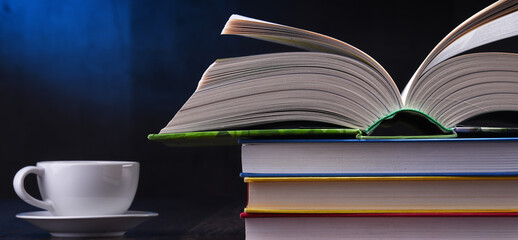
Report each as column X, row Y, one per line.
column 466, row 86
column 236, row 93
column 300, row 38
column 295, row 37
column 498, row 29
column 496, row 22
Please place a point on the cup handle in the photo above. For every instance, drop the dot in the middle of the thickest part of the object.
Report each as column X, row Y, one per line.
column 19, row 188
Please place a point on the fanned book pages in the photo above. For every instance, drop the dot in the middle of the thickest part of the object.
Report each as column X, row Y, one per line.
column 338, row 86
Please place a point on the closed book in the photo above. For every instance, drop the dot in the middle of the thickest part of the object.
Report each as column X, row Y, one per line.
column 381, row 226
column 404, row 194
column 339, row 157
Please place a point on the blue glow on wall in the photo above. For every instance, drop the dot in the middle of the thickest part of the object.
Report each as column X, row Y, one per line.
column 78, row 49
column 94, row 77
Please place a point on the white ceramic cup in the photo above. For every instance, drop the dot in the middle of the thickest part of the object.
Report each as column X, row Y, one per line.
column 81, row 188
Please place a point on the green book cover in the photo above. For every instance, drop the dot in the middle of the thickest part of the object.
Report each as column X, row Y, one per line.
column 231, row 137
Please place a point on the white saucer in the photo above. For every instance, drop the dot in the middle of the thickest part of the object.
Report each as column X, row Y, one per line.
column 86, row 226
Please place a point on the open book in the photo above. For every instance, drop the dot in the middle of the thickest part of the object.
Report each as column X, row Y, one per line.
column 337, row 85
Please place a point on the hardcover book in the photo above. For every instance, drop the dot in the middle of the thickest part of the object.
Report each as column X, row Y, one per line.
column 396, row 194
column 380, row 157
column 381, row 226
column 336, row 85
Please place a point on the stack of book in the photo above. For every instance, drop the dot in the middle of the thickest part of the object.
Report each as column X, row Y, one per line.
column 331, row 169
column 373, row 189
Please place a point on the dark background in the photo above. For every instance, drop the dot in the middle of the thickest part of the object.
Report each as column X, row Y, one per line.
column 91, row 79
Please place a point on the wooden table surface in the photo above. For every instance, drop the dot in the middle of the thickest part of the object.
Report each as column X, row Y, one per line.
column 179, row 218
